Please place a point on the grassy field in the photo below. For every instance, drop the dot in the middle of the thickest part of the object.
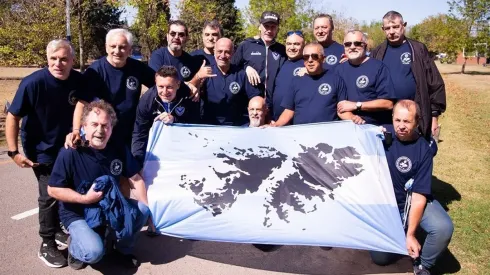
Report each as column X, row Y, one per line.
column 462, row 167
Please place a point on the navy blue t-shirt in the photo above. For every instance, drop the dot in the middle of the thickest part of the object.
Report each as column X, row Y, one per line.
column 186, row 65
column 201, row 55
column 76, row 166
column 333, row 54
column 369, row 81
column 410, row 160
column 46, row 105
column 121, row 87
column 399, row 60
column 314, row 98
column 282, row 86
column 225, row 97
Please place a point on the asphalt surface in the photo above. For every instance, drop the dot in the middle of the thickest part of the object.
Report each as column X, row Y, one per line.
column 20, row 243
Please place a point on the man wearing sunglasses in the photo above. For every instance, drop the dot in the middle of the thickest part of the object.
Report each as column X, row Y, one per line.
column 414, row 74
column 263, row 57
column 313, row 97
column 370, row 92
column 323, row 28
column 295, row 44
column 211, row 32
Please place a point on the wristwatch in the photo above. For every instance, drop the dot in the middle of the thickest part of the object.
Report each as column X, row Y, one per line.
column 358, row 106
column 12, row 154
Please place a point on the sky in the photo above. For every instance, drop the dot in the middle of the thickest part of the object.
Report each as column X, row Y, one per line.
column 413, row 11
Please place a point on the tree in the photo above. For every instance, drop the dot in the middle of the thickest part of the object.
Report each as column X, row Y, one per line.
column 374, row 33
column 475, row 15
column 150, row 25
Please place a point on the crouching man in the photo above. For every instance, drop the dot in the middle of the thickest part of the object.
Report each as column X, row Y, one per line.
column 74, row 168
column 409, row 159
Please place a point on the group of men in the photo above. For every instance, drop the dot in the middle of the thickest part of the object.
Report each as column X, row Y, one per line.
column 261, row 83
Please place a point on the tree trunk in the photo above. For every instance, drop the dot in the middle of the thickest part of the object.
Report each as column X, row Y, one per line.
column 464, row 65
column 80, row 35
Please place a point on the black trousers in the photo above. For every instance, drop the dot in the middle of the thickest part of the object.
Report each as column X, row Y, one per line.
column 49, row 221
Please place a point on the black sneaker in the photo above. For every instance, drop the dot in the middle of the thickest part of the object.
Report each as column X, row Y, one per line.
column 50, row 254
column 420, row 270
column 74, row 263
column 61, row 239
column 127, row 260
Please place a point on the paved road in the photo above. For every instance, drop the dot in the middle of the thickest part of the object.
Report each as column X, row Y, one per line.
column 163, row 255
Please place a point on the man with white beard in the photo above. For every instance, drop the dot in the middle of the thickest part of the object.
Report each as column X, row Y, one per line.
column 257, row 111
column 370, row 92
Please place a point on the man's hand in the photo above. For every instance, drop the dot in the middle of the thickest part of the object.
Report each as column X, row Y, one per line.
column 165, row 118
column 72, row 139
column 435, row 129
column 24, row 162
column 413, row 246
column 205, row 71
column 253, row 76
column 92, row 196
column 358, row 120
column 194, row 92
column 302, row 71
column 346, row 106
column 343, row 58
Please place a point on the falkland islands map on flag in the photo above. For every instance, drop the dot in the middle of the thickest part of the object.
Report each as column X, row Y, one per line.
column 320, row 184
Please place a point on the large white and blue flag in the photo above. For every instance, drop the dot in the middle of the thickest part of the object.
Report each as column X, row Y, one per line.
column 320, row 184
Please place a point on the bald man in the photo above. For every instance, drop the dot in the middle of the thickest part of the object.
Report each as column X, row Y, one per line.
column 226, row 95
column 257, row 111
column 313, row 98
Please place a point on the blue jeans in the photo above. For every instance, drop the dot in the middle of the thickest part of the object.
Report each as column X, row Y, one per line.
column 87, row 245
column 439, row 228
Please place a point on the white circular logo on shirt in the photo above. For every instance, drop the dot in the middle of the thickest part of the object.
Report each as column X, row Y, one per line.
column 403, row 164
column 180, row 110
column 185, row 72
column 71, row 97
column 234, row 87
column 132, row 83
column 406, row 58
column 362, row 81
column 116, row 167
column 296, row 71
column 324, row 89
column 331, row 59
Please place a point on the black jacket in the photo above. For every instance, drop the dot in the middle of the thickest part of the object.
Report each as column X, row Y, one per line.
column 431, row 92
column 182, row 108
column 253, row 52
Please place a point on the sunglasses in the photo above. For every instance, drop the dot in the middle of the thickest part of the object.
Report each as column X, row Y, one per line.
column 356, row 43
column 180, row 34
column 313, row 56
column 289, row 33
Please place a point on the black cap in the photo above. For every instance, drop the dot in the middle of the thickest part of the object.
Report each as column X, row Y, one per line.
column 269, row 17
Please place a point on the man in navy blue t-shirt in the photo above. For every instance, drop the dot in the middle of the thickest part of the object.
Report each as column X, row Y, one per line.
column 211, row 32
column 76, row 168
column 225, row 96
column 167, row 101
column 370, row 92
column 117, row 79
column 313, row 97
column 410, row 159
column 323, row 28
column 45, row 101
column 289, row 70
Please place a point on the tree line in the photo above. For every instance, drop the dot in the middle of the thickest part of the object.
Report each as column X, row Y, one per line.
column 27, row 25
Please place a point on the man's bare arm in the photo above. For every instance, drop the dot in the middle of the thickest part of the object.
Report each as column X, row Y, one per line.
column 138, row 185
column 285, row 117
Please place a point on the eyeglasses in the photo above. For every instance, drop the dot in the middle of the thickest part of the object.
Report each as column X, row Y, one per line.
column 356, row 43
column 313, row 56
column 180, row 34
column 289, row 33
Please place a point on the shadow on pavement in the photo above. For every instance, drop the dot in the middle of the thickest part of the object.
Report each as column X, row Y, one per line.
column 470, row 73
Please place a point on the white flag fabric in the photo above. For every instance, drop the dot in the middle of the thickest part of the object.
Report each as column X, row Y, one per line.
column 322, row 184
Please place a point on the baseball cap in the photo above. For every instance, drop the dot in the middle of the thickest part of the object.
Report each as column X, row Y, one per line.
column 269, row 17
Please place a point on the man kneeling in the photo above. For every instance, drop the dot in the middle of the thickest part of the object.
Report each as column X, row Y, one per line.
column 76, row 169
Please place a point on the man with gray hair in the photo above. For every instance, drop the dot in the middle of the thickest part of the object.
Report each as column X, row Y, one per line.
column 45, row 101
column 117, row 79
column 414, row 74
column 370, row 92
column 211, row 32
